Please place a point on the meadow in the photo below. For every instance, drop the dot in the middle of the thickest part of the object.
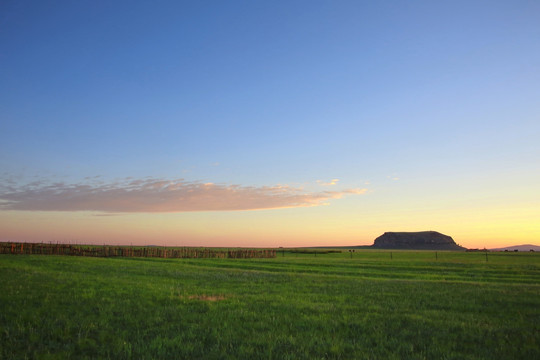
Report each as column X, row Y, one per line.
column 299, row 305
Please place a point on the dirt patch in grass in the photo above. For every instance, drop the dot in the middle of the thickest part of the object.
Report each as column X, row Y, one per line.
column 207, row 297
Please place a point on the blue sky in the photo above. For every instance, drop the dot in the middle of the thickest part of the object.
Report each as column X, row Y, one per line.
column 418, row 103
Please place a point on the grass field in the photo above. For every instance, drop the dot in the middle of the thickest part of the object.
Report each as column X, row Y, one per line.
column 375, row 305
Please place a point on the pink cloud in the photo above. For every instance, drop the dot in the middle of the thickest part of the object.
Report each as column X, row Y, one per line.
column 160, row 195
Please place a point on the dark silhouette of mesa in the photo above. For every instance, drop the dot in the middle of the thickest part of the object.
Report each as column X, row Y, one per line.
column 421, row 240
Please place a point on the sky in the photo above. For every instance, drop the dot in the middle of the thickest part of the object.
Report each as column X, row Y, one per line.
column 269, row 123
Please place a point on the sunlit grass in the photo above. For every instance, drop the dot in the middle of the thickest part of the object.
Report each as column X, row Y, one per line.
column 297, row 306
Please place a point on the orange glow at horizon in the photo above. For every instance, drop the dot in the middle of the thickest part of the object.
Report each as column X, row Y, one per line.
column 271, row 228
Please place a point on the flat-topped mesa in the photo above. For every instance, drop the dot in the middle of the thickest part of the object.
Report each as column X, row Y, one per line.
column 421, row 240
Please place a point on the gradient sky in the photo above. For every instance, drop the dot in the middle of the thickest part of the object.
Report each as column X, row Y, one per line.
column 269, row 123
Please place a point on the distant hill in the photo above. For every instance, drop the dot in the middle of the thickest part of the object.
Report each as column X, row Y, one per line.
column 526, row 247
column 421, row 240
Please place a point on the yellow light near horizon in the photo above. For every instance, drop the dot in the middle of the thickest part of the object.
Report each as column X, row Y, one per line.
column 332, row 225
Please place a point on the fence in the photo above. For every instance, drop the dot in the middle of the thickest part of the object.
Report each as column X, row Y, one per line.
column 126, row 251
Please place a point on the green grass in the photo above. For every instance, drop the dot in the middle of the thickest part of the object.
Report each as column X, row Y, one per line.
column 297, row 306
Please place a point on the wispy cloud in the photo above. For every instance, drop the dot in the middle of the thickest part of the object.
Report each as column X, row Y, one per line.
column 329, row 183
column 159, row 195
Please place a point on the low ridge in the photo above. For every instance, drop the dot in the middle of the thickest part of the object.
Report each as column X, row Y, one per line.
column 421, row 240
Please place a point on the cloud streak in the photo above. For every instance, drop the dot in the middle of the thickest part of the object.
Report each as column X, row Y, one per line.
column 330, row 183
column 159, row 196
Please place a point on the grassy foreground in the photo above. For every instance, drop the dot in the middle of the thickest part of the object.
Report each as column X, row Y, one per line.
column 296, row 306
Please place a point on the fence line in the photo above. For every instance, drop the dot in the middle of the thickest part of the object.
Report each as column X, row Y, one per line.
column 16, row 248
